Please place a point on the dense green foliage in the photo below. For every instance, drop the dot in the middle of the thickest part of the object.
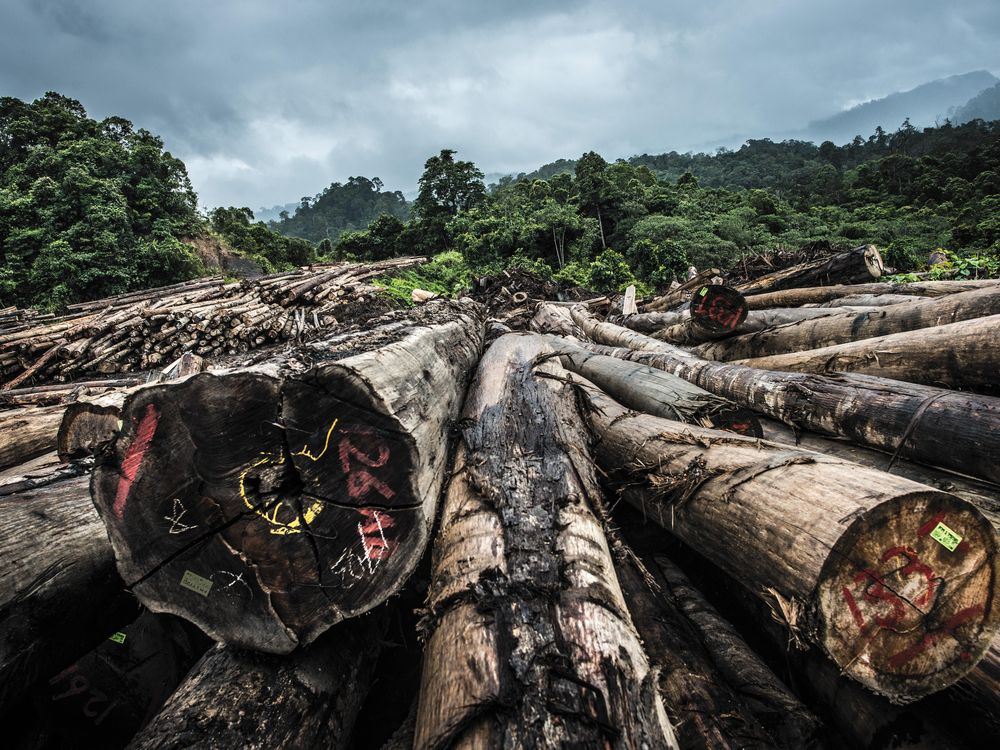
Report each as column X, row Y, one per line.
column 87, row 209
column 274, row 252
column 341, row 208
column 606, row 225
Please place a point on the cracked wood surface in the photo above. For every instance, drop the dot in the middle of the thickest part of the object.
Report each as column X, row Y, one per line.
column 531, row 644
column 267, row 503
column 849, row 552
column 935, row 426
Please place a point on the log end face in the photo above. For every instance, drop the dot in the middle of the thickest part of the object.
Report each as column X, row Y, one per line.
column 718, row 309
column 873, row 261
column 907, row 598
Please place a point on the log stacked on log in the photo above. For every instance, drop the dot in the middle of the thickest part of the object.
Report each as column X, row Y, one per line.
column 796, row 297
column 145, row 330
column 860, row 264
column 531, row 644
column 267, row 503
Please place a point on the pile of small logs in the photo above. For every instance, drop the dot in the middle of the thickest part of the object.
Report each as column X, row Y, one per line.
column 209, row 317
column 743, row 517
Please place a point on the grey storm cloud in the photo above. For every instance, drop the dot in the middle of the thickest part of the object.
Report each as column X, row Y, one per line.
column 269, row 101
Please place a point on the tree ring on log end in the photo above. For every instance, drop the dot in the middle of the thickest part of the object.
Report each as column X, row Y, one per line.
column 718, row 309
column 264, row 510
column 905, row 598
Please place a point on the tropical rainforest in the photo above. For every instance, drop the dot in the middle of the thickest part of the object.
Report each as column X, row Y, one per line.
column 93, row 208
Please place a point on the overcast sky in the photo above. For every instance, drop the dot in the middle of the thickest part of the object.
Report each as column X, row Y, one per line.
column 269, row 101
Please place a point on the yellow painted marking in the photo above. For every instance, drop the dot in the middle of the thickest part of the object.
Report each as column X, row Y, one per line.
column 310, row 513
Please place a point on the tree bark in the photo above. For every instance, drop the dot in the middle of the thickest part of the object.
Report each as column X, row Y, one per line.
column 860, row 264
column 781, row 713
column 27, row 432
column 241, row 699
column 267, row 503
column 847, row 327
column 756, row 320
column 656, row 392
column 551, row 318
column 867, row 300
column 796, row 297
column 956, row 355
column 59, row 592
column 705, row 710
column 933, row 426
column 530, row 643
column 852, row 554
column 979, row 692
column 105, row 697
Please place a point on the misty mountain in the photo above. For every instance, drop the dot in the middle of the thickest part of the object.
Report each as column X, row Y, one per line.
column 925, row 105
column 274, row 212
column 984, row 106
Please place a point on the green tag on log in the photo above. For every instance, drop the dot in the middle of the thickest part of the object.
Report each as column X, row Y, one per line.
column 118, row 637
column 704, row 291
column 946, row 537
column 196, row 583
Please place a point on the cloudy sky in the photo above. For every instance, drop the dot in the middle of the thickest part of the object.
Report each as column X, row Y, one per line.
column 267, row 101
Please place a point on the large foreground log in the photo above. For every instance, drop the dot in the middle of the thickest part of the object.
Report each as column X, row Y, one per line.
column 846, row 327
column 235, row 699
column 896, row 582
column 956, row 355
column 860, row 264
column 59, row 592
column 796, row 297
column 956, row 431
column 265, row 504
column 531, row 643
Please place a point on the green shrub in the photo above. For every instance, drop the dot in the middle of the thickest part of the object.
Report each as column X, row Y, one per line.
column 446, row 275
column 610, row 272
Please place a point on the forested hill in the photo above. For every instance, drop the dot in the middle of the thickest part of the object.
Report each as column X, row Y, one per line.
column 341, row 208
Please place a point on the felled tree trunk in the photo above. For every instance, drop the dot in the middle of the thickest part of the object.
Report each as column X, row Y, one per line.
column 59, row 592
column 716, row 311
column 682, row 293
column 756, row 320
column 896, row 582
column 979, row 692
column 984, row 495
column 956, row 431
column 704, row 708
column 860, row 264
column 105, row 697
column 656, row 392
column 235, row 699
column 866, row 300
column 768, row 700
column 847, row 327
column 551, row 318
column 27, row 432
column 530, row 640
column 796, row 297
column 266, row 504
column 956, row 355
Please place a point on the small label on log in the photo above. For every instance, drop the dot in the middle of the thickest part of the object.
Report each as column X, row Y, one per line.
column 947, row 538
column 118, row 637
column 704, row 291
column 196, row 583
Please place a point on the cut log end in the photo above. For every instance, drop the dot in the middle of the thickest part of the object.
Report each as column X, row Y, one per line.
column 873, row 261
column 718, row 309
column 905, row 599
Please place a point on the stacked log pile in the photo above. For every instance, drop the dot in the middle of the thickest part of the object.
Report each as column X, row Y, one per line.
column 826, row 475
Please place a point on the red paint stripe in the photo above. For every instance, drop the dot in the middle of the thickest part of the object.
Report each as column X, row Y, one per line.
column 849, row 598
column 931, row 638
column 134, row 455
column 928, row 527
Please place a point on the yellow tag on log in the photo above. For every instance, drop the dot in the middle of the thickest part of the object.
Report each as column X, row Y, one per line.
column 118, row 637
column 704, row 291
column 946, row 537
column 196, row 583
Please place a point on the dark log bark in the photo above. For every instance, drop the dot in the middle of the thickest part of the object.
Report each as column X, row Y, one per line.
column 266, row 504
column 847, row 327
column 27, row 432
column 796, row 297
column 105, row 697
column 978, row 693
column 530, row 642
column 860, row 264
column 705, row 711
column 767, row 698
column 59, row 592
column 656, row 392
column 956, row 355
column 895, row 581
column 235, row 699
column 933, row 426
